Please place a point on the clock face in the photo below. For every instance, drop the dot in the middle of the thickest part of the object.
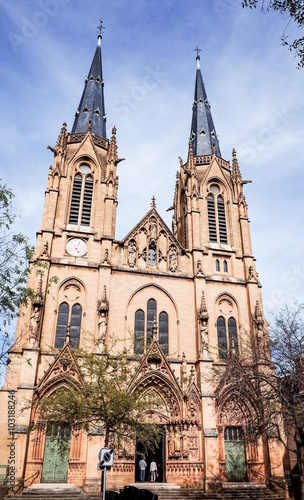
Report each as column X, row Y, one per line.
column 76, row 247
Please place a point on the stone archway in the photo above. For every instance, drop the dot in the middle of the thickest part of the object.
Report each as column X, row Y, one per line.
column 238, row 451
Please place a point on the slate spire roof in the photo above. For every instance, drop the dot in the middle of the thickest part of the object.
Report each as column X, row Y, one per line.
column 203, row 132
column 92, row 105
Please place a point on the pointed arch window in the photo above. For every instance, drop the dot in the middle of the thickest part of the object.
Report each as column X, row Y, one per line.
column 143, row 328
column 232, row 334
column 217, row 266
column 163, row 328
column 151, row 314
column 226, row 344
column 68, row 318
column 82, row 195
column 62, row 324
column 216, row 216
column 222, row 337
column 75, row 325
column 139, row 332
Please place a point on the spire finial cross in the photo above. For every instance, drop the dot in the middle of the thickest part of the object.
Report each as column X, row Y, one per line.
column 100, row 28
column 197, row 50
column 153, row 202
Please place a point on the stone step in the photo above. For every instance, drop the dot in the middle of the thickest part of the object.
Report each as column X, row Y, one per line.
column 164, row 491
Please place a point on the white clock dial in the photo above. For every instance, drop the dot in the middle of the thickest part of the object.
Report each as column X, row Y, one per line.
column 76, row 247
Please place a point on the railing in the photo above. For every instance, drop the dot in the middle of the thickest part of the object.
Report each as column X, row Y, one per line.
column 3, row 477
column 269, row 479
column 23, row 481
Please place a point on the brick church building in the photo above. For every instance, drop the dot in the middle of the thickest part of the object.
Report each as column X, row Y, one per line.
column 184, row 298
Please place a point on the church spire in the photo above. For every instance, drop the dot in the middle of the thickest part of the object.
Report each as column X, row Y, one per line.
column 92, row 105
column 203, row 132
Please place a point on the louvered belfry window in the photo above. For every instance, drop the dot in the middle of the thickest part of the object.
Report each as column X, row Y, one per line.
column 221, row 220
column 87, row 201
column 82, row 195
column 76, row 197
column 216, row 216
column 211, row 218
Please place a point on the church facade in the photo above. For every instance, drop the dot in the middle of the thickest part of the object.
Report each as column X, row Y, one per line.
column 183, row 298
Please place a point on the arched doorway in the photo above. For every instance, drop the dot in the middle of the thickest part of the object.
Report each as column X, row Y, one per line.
column 158, row 455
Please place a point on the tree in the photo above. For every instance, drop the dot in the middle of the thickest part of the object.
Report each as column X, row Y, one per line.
column 104, row 398
column 14, row 267
column 274, row 388
column 292, row 10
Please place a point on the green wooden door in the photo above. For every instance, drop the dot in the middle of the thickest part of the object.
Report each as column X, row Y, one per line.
column 235, row 454
column 56, row 454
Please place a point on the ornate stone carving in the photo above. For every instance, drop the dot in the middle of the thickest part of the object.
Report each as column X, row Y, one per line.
column 184, row 372
column 106, row 259
column 192, row 410
column 199, row 269
column 72, row 291
column 45, row 251
column 253, row 276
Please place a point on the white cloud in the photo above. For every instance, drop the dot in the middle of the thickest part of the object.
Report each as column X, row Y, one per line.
column 149, row 68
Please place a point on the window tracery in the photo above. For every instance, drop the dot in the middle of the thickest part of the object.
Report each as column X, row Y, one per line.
column 144, row 326
column 68, row 325
column 227, row 340
column 70, row 309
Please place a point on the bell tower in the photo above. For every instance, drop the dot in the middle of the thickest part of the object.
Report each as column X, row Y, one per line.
column 81, row 196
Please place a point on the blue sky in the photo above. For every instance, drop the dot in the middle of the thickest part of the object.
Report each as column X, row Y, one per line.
column 252, row 82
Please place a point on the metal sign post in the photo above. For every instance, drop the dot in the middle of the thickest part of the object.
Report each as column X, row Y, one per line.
column 104, row 478
column 106, row 461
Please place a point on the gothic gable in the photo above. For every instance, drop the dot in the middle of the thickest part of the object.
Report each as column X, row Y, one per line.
column 63, row 369
column 218, row 171
column 86, row 147
column 154, row 373
column 151, row 243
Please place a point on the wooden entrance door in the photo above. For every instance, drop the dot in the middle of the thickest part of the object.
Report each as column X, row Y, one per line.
column 235, row 454
column 56, row 454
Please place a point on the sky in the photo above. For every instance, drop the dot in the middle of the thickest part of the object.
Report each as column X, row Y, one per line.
column 252, row 82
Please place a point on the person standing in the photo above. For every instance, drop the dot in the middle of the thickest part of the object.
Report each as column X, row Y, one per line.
column 142, row 468
column 153, row 470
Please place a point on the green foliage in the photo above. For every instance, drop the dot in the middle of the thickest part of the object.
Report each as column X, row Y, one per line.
column 104, row 399
column 291, row 10
column 272, row 390
column 14, row 267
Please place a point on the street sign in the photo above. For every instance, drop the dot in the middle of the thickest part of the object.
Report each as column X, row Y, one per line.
column 106, row 458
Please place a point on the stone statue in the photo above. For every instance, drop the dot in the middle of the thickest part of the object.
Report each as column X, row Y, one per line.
column 102, row 327
column 35, row 321
column 172, row 259
column 131, row 254
column 170, row 445
column 203, row 318
column 204, row 335
column 177, row 444
column 153, row 229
